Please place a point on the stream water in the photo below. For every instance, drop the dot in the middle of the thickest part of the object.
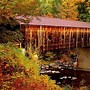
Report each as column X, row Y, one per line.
column 74, row 77
column 81, row 76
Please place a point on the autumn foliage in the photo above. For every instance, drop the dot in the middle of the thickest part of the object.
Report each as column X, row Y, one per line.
column 17, row 72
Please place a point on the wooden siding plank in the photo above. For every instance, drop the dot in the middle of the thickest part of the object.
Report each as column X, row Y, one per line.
column 56, row 38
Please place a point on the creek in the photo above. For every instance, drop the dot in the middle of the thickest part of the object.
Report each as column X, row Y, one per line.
column 75, row 77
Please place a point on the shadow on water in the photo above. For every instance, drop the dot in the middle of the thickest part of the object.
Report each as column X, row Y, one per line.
column 75, row 78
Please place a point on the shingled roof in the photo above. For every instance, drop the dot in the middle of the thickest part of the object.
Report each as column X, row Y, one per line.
column 46, row 21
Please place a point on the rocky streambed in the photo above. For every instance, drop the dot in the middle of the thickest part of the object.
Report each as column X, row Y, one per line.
column 67, row 75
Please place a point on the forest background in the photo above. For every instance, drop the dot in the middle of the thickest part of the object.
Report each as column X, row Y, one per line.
column 64, row 9
column 18, row 72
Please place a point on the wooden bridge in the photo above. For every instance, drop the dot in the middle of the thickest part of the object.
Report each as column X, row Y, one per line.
column 52, row 34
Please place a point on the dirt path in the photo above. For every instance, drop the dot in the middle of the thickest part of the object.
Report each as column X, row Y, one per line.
column 84, row 58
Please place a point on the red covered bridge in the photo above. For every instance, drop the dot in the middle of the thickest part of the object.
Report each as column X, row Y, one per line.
column 52, row 34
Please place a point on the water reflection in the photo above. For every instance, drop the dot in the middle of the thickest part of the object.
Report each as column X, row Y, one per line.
column 68, row 75
column 74, row 78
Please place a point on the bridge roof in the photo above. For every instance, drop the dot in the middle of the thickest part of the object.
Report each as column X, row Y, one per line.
column 46, row 21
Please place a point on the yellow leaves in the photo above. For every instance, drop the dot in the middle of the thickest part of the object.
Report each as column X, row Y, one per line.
column 24, row 75
column 68, row 10
column 88, row 0
column 84, row 88
column 49, row 14
column 89, row 11
column 35, row 57
column 81, row 0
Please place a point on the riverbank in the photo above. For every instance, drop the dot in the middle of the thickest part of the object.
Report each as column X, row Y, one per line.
column 65, row 74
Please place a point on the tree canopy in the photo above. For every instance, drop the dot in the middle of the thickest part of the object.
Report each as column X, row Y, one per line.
column 84, row 10
column 65, row 9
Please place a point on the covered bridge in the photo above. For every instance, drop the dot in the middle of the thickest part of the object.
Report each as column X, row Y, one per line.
column 53, row 34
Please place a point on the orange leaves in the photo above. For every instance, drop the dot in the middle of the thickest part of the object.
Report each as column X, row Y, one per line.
column 7, row 65
column 22, row 76
column 0, row 74
column 18, row 83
